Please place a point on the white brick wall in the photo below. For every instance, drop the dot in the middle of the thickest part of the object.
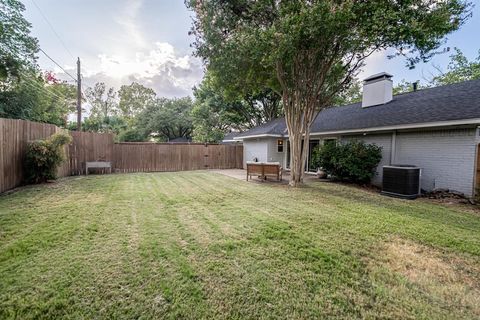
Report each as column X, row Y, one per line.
column 447, row 157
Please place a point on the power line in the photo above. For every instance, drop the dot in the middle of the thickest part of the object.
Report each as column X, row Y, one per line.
column 33, row 84
column 45, row 91
column 57, row 64
column 53, row 29
column 88, row 100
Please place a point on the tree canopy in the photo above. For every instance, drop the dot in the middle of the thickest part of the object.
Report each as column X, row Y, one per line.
column 134, row 98
column 309, row 51
column 167, row 119
column 216, row 113
column 17, row 47
column 459, row 69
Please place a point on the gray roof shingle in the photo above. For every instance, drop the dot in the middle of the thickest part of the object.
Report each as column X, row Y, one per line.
column 229, row 136
column 458, row 101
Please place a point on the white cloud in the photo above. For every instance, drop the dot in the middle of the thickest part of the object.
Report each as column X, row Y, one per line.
column 128, row 19
column 161, row 68
column 377, row 62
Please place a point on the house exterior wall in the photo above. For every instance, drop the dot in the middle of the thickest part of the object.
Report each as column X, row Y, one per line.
column 264, row 149
column 447, row 157
column 272, row 153
column 385, row 142
column 255, row 148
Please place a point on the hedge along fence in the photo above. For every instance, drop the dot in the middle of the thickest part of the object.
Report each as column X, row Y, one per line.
column 125, row 157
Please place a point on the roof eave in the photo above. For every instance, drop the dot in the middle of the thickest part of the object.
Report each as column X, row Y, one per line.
column 264, row 135
column 473, row 121
column 404, row 127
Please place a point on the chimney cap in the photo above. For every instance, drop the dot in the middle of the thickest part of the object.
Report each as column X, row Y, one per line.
column 377, row 76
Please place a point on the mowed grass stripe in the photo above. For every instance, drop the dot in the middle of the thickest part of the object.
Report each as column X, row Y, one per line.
column 196, row 245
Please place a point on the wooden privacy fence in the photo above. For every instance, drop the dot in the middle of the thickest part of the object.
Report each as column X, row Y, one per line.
column 14, row 135
column 148, row 157
column 89, row 146
column 125, row 157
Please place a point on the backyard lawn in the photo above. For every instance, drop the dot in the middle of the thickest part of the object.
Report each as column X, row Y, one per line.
column 198, row 245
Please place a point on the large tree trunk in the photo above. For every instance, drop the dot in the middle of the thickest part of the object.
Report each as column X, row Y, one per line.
column 299, row 136
column 303, row 96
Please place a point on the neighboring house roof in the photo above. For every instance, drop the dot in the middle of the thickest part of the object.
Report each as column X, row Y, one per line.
column 450, row 104
column 275, row 127
column 229, row 136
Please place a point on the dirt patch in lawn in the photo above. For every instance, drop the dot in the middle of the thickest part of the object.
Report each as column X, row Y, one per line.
column 451, row 280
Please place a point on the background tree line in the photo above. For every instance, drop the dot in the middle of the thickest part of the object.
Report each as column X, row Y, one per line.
column 135, row 113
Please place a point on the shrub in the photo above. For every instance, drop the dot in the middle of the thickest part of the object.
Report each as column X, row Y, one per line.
column 352, row 161
column 132, row 135
column 44, row 156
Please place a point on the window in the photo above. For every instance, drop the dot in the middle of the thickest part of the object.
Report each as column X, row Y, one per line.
column 330, row 141
column 280, row 145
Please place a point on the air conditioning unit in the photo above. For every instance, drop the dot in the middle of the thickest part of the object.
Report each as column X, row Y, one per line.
column 402, row 181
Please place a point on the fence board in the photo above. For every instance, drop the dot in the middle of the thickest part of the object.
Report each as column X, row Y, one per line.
column 148, row 157
column 125, row 157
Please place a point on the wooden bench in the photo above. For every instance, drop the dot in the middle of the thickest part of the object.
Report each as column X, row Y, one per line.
column 264, row 170
column 98, row 164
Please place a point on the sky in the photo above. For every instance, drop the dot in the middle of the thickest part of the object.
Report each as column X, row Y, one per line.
column 121, row 41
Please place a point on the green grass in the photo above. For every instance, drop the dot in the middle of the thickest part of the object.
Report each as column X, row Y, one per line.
column 198, row 245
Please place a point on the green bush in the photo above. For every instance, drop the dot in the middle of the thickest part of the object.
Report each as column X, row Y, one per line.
column 44, row 156
column 353, row 161
column 132, row 135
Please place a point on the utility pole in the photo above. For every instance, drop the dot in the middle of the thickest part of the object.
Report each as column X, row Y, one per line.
column 79, row 97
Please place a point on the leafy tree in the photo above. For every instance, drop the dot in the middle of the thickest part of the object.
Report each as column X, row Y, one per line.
column 103, row 101
column 309, row 51
column 110, row 124
column 132, row 135
column 211, row 115
column 459, row 69
column 167, row 119
column 261, row 107
column 351, row 95
column 215, row 112
column 104, row 113
column 404, row 87
column 17, row 46
column 134, row 98
column 35, row 98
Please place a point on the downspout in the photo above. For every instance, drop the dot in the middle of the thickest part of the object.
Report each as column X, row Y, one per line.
column 394, row 147
column 476, row 140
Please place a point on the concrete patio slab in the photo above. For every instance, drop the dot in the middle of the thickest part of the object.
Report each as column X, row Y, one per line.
column 241, row 174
